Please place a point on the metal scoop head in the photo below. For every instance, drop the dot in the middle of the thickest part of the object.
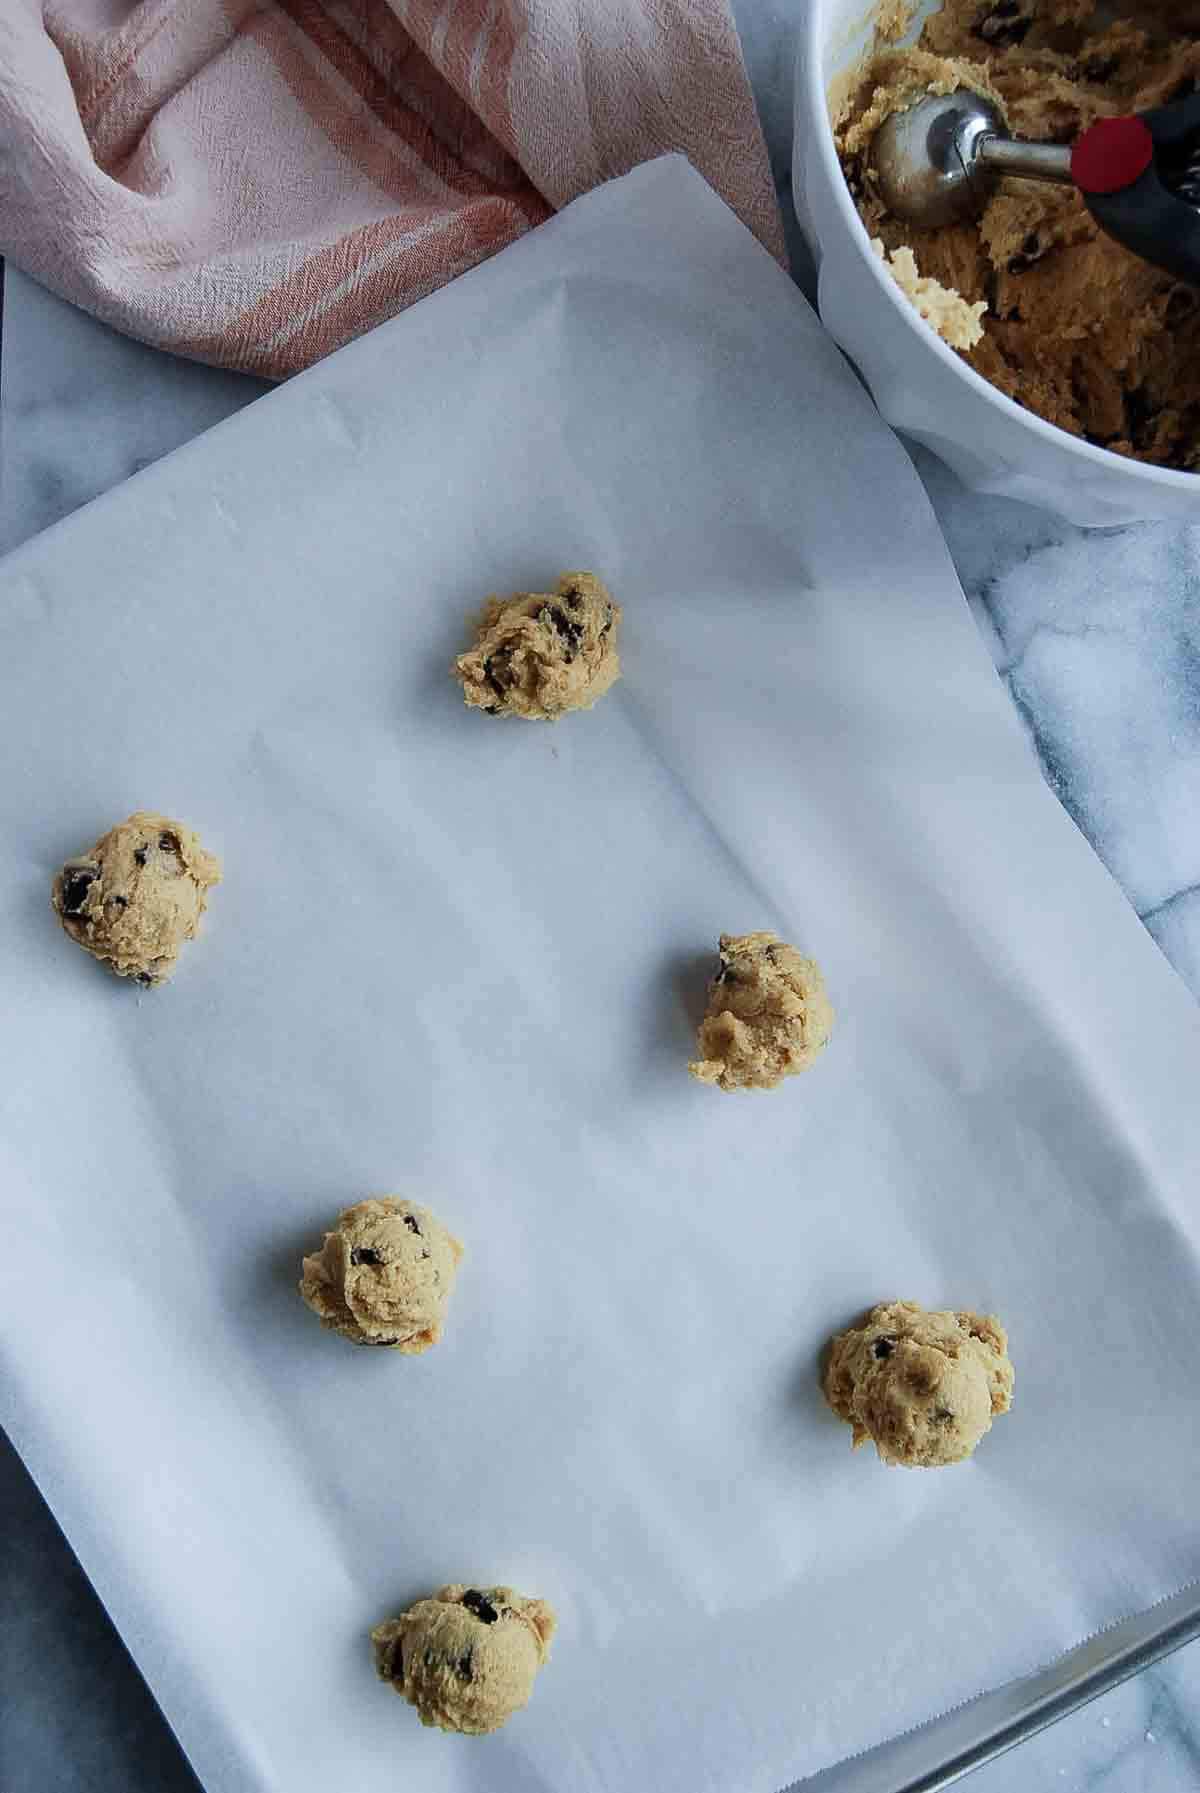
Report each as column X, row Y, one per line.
column 937, row 163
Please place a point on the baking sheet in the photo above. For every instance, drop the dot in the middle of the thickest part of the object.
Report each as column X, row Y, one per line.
column 464, row 958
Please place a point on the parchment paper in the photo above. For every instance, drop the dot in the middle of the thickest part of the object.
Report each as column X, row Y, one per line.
column 465, row 958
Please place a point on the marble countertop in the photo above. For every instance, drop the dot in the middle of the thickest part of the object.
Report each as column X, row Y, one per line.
column 1096, row 636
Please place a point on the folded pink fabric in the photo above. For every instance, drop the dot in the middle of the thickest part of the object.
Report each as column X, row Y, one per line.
column 254, row 182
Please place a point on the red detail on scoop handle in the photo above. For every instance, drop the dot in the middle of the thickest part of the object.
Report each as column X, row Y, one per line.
column 1111, row 155
column 1149, row 217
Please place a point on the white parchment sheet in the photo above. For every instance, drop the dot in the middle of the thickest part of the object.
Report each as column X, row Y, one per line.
column 464, row 957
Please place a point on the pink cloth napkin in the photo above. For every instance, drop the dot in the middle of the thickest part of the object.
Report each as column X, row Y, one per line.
column 254, row 182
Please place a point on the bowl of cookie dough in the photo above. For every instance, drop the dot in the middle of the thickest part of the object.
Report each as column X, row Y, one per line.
column 1037, row 358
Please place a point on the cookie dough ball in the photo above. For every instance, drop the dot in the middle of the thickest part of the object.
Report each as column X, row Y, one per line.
column 467, row 1658
column 137, row 895
column 384, row 1275
column 539, row 655
column 768, row 1015
column 923, row 1386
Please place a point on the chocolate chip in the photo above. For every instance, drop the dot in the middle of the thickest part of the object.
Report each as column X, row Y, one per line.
column 365, row 1254
column 463, row 1665
column 1141, row 414
column 609, row 623
column 883, row 1347
column 1004, row 23
column 574, row 597
column 480, row 1605
column 1181, row 305
column 145, row 979
column 77, row 880
column 379, row 1341
column 1031, row 250
column 570, row 631
column 396, row 1670
column 491, row 709
column 411, row 1223
column 120, row 902
column 168, row 843
column 943, row 1413
column 497, row 670
column 141, row 854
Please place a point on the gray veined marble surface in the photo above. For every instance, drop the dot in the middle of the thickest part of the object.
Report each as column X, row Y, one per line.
column 1097, row 638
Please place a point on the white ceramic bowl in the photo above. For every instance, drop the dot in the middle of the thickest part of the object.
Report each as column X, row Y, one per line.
column 920, row 385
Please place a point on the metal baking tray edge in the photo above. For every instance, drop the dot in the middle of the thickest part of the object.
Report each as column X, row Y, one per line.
column 937, row 1754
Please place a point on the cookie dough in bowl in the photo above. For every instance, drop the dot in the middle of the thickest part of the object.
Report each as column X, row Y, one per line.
column 384, row 1275
column 467, row 1657
column 1072, row 325
column 929, row 391
column 923, row 1386
column 134, row 898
